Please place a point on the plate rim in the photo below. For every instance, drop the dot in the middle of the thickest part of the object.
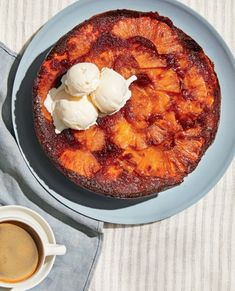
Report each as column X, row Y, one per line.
column 125, row 220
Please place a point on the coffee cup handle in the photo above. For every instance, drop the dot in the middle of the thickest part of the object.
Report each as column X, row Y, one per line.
column 54, row 250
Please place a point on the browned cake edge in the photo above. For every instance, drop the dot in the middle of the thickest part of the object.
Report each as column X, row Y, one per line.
column 156, row 185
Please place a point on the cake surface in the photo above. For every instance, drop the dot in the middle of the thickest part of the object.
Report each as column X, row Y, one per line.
column 161, row 133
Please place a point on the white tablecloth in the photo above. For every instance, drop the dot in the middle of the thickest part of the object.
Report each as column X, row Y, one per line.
column 194, row 250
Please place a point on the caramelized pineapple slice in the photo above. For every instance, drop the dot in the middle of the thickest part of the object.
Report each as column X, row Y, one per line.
column 193, row 132
column 189, row 106
column 189, row 148
column 124, row 135
column 104, row 59
column 166, row 40
column 112, row 172
column 81, row 162
column 169, row 123
column 163, row 37
column 195, row 84
column 147, row 60
column 183, row 61
column 92, row 139
column 160, row 101
column 185, row 152
column 165, row 80
column 139, row 107
column 152, row 163
column 135, row 59
column 125, row 64
column 79, row 44
column 130, row 27
column 156, row 135
column 149, row 162
column 176, row 162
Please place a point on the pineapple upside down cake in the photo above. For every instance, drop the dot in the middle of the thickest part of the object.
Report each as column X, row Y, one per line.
column 161, row 132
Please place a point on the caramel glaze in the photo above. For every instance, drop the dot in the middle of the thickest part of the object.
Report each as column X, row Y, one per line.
column 161, row 133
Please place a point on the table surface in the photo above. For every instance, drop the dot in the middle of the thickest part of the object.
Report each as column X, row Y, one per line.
column 194, row 250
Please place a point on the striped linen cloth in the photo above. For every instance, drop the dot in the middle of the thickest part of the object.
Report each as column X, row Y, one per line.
column 192, row 251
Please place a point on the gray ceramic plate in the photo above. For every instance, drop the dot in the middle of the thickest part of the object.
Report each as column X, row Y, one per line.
column 170, row 202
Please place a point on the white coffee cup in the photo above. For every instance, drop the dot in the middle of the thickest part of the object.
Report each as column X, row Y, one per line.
column 45, row 249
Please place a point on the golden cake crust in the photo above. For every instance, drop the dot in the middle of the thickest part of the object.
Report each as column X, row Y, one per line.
column 161, row 133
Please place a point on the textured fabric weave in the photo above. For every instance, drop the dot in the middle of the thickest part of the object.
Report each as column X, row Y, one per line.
column 81, row 235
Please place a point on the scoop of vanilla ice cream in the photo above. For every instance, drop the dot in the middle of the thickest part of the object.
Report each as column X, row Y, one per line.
column 112, row 92
column 76, row 114
column 70, row 105
column 81, row 79
column 56, row 94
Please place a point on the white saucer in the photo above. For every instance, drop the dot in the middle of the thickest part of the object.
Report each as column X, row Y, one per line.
column 47, row 233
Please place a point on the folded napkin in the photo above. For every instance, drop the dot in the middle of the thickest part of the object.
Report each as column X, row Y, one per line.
column 81, row 235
